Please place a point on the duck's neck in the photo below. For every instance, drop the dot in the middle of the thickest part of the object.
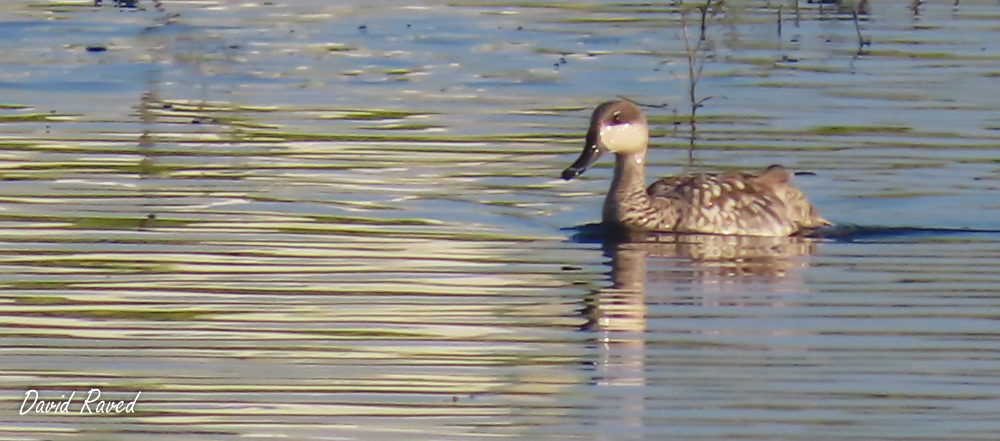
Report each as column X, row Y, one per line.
column 628, row 188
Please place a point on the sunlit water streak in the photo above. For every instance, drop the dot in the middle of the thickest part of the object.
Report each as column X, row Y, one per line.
column 308, row 220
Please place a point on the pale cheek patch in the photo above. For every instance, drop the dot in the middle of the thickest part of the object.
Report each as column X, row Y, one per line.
column 624, row 138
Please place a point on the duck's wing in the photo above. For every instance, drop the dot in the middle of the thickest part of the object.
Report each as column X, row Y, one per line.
column 737, row 203
column 665, row 187
column 800, row 211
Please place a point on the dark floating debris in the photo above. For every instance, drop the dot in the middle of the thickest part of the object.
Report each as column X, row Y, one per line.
column 129, row 4
column 126, row 4
column 96, row 48
column 148, row 221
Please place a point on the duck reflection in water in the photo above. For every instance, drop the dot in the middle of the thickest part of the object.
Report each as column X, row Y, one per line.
column 669, row 271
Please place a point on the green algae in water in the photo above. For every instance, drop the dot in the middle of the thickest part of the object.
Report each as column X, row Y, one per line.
column 129, row 314
column 36, row 117
column 526, row 76
column 119, row 223
column 337, row 47
column 859, row 130
column 399, row 71
column 415, row 127
column 101, row 310
column 702, row 119
column 415, row 138
column 878, row 95
column 371, row 114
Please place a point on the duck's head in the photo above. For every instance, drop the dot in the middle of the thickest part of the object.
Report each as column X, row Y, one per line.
column 617, row 127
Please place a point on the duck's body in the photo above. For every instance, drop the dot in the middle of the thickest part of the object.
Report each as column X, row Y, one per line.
column 729, row 203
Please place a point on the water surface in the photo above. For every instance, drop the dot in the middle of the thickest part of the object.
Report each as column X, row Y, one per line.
column 303, row 220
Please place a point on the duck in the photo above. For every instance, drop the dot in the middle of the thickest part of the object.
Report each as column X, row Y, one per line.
column 729, row 203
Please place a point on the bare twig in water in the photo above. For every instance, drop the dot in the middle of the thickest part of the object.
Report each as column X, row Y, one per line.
column 862, row 42
column 779, row 21
column 696, row 62
column 704, row 25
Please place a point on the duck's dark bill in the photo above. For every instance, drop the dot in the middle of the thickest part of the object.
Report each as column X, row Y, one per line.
column 589, row 156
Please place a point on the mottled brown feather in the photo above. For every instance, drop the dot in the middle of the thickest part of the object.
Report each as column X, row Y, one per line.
column 737, row 203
